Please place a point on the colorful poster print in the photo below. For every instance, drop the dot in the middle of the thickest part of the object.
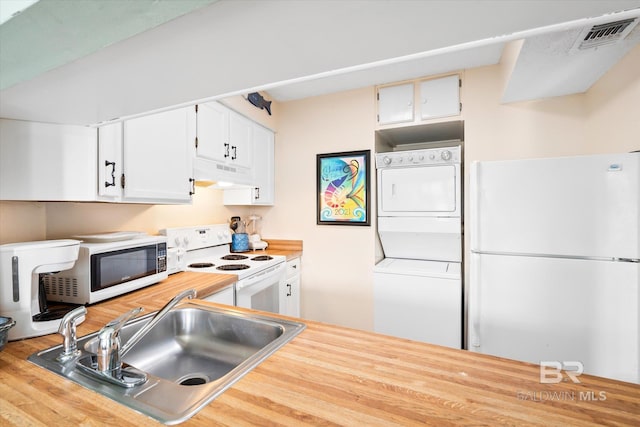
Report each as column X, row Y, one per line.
column 343, row 188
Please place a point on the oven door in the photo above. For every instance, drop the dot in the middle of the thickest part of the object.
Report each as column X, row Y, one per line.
column 261, row 291
column 419, row 191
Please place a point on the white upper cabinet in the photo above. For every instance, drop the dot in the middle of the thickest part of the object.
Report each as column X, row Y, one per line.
column 213, row 132
column 148, row 158
column 223, row 144
column 241, row 140
column 437, row 98
column 395, row 104
column 261, row 190
column 440, row 97
column 264, row 166
column 41, row 161
column 110, row 162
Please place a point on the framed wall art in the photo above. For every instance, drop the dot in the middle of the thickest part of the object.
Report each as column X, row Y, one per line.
column 343, row 188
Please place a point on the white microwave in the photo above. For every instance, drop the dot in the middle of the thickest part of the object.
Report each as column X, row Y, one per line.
column 106, row 270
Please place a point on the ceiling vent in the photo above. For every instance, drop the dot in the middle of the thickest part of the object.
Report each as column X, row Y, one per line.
column 604, row 34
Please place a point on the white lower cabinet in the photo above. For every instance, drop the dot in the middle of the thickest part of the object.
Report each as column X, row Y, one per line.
column 47, row 162
column 147, row 159
column 290, row 291
column 225, row 296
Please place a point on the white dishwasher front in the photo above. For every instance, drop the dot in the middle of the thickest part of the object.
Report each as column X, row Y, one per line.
column 419, row 300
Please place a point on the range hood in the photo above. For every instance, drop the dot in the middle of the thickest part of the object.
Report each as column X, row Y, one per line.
column 208, row 173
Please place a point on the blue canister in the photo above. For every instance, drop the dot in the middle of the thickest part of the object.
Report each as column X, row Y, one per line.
column 239, row 242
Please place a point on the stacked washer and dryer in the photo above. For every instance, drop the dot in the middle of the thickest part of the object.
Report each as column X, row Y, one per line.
column 418, row 284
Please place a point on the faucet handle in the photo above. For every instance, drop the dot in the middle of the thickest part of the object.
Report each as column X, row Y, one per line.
column 109, row 341
column 119, row 321
column 67, row 329
column 112, row 328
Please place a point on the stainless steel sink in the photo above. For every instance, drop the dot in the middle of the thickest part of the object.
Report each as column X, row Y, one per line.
column 190, row 357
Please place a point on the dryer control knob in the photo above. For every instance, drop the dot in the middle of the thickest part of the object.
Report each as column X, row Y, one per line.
column 386, row 160
column 432, row 156
column 411, row 158
column 446, row 155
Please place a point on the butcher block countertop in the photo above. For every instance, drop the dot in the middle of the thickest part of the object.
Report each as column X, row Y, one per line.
column 328, row 375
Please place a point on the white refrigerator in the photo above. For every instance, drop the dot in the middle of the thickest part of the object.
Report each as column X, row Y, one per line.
column 555, row 262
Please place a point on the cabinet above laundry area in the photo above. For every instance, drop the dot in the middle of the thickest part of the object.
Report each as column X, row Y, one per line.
column 418, row 101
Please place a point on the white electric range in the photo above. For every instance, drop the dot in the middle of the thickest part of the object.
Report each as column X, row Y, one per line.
column 206, row 249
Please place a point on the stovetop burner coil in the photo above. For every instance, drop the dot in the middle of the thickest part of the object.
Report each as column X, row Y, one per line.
column 262, row 258
column 201, row 265
column 233, row 257
column 231, row 267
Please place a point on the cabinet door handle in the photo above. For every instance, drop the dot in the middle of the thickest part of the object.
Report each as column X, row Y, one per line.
column 192, row 191
column 257, row 196
column 226, row 150
column 288, row 290
column 107, row 163
column 235, row 154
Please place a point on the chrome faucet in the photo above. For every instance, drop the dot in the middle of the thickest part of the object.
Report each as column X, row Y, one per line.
column 107, row 361
column 191, row 293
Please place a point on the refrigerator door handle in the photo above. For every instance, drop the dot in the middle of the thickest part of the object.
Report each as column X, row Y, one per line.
column 474, row 304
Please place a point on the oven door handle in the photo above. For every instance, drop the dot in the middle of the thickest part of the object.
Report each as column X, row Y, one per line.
column 265, row 275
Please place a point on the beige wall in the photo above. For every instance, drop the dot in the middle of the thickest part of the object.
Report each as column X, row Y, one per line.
column 613, row 108
column 337, row 261
column 26, row 221
column 22, row 222
column 66, row 219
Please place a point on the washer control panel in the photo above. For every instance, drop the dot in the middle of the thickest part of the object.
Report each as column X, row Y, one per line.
column 427, row 156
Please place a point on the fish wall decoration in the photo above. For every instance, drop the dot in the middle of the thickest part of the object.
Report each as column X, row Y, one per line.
column 256, row 99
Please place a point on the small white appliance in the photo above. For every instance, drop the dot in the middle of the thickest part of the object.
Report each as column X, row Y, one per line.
column 112, row 267
column 22, row 267
column 175, row 260
column 253, row 228
column 418, row 285
column 261, row 278
column 555, row 262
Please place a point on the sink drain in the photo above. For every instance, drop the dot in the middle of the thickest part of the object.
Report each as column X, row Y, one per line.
column 195, row 380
